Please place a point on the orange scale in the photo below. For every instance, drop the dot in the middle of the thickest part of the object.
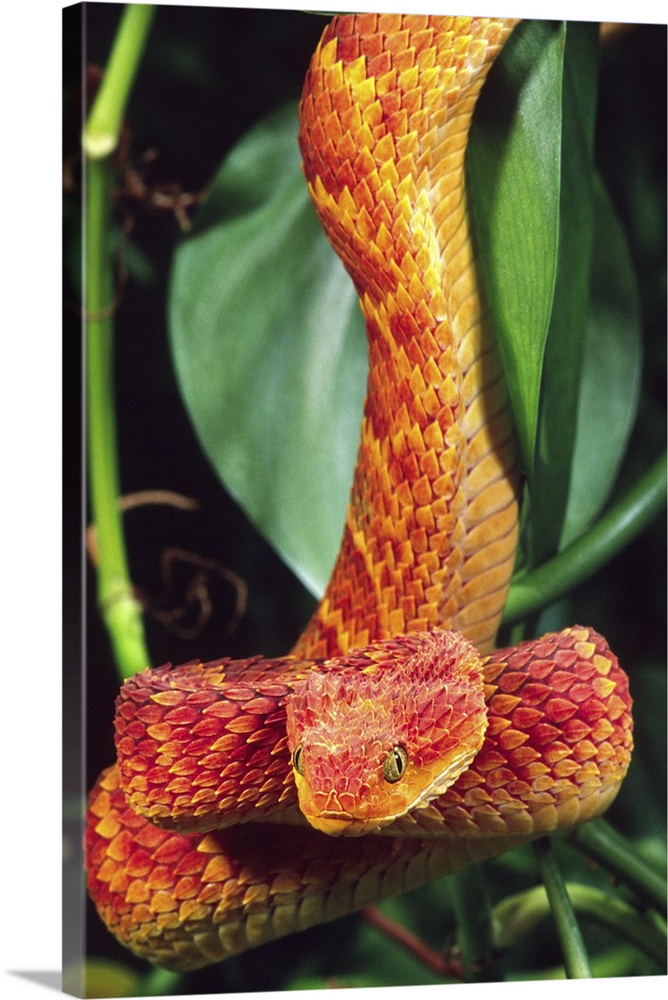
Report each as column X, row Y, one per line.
column 286, row 882
column 255, row 895
column 119, row 883
column 137, row 892
column 125, row 747
column 149, row 714
column 581, row 691
column 575, row 730
column 204, row 782
column 228, row 743
column 511, row 681
column 602, row 730
column 561, row 681
column 248, row 796
column 564, row 789
column 186, row 888
column 487, row 760
column 495, row 726
column 519, row 789
column 592, row 710
column 602, row 664
column 603, row 686
column 222, row 709
column 213, row 761
column 544, row 783
column 566, row 658
column 488, row 820
column 501, row 796
column 193, row 910
column 120, row 848
column 135, row 731
column 559, row 710
column 503, row 704
column 252, row 777
column 535, row 770
column 617, row 707
column 171, row 697
column 499, row 777
column 160, row 877
column 149, row 836
column 162, row 902
column 208, row 727
column 183, row 767
column 556, row 752
column 106, row 870
column 200, row 698
column 589, row 771
column 477, row 795
column 218, row 869
column 521, row 756
column 544, row 650
column 584, row 750
column 109, row 826
column 544, row 733
column 564, row 768
column 172, row 851
column 141, row 914
column 184, row 715
column 534, row 694
column 157, row 776
column 162, row 733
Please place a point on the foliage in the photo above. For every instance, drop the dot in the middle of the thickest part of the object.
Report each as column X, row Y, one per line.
column 268, row 358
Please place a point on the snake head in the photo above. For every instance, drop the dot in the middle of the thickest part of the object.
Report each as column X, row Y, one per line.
column 385, row 730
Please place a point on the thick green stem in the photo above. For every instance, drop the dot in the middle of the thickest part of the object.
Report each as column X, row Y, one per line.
column 543, row 586
column 600, row 842
column 517, row 914
column 105, row 121
column 576, row 960
column 120, row 609
column 470, row 903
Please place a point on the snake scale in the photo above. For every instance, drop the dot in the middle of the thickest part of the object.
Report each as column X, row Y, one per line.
column 255, row 798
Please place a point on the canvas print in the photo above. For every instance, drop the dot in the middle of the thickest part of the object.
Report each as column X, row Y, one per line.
column 370, row 310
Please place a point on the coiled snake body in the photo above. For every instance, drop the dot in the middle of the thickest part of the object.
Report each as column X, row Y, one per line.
column 391, row 726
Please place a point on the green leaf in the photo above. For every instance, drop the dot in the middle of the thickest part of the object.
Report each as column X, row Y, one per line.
column 514, row 164
column 564, row 348
column 269, row 348
column 611, row 370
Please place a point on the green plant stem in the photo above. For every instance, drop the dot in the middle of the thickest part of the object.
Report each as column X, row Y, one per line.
column 599, row 841
column 105, row 120
column 523, row 911
column 543, row 586
column 576, row 960
column 120, row 609
column 470, row 903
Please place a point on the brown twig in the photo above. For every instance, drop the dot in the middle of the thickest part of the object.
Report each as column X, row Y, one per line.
column 197, row 591
column 434, row 961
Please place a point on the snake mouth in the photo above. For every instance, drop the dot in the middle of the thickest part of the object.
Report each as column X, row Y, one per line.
column 341, row 824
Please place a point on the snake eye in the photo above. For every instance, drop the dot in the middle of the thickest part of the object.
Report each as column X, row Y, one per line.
column 395, row 764
column 297, row 760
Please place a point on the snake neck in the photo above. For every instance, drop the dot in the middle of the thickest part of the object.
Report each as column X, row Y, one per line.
column 431, row 527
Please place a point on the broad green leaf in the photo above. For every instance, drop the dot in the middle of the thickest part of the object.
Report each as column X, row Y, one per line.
column 514, row 162
column 611, row 369
column 562, row 365
column 269, row 349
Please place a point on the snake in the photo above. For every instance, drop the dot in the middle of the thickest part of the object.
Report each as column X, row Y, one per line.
column 393, row 744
